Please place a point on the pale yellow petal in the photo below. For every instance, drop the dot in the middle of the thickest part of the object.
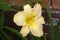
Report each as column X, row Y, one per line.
column 24, row 31
column 37, row 9
column 37, row 30
column 40, row 20
column 27, row 8
column 19, row 18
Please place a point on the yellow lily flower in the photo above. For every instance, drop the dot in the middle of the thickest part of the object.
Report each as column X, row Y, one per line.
column 31, row 20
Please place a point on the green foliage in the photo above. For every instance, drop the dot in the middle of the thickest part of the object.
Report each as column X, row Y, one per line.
column 6, row 7
column 51, row 23
column 28, row 2
column 57, row 29
column 36, row 1
column 4, row 35
column 58, row 23
column 16, row 32
column 2, row 0
column 1, row 21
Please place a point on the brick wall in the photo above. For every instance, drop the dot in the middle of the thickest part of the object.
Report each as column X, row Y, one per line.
column 55, row 3
column 23, row 2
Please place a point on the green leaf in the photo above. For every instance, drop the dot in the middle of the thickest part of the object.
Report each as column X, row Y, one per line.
column 41, row 38
column 16, row 32
column 28, row 2
column 58, row 24
column 57, row 29
column 37, row 38
column 59, row 35
column 6, row 7
column 53, row 37
column 36, row 1
column 51, row 23
column 1, row 21
column 2, row 0
column 4, row 35
column 44, row 37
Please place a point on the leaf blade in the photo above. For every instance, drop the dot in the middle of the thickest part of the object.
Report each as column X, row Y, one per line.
column 16, row 32
column 4, row 35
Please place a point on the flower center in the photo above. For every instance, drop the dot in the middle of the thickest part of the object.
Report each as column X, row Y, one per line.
column 30, row 19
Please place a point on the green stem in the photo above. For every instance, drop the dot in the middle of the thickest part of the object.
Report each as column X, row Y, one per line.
column 41, row 38
column 16, row 32
column 28, row 2
column 51, row 24
column 44, row 37
column 1, row 20
column 37, row 38
column 5, row 6
column 36, row 1
column 59, row 35
column 53, row 37
column 4, row 35
column 57, row 27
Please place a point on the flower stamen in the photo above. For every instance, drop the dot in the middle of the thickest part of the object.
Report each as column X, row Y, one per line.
column 30, row 19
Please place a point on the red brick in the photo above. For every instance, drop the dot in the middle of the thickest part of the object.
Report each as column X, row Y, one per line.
column 56, row 4
column 23, row 2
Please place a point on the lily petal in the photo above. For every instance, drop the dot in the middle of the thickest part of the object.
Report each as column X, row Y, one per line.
column 37, row 30
column 41, row 20
column 38, row 9
column 24, row 31
column 27, row 8
column 19, row 18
